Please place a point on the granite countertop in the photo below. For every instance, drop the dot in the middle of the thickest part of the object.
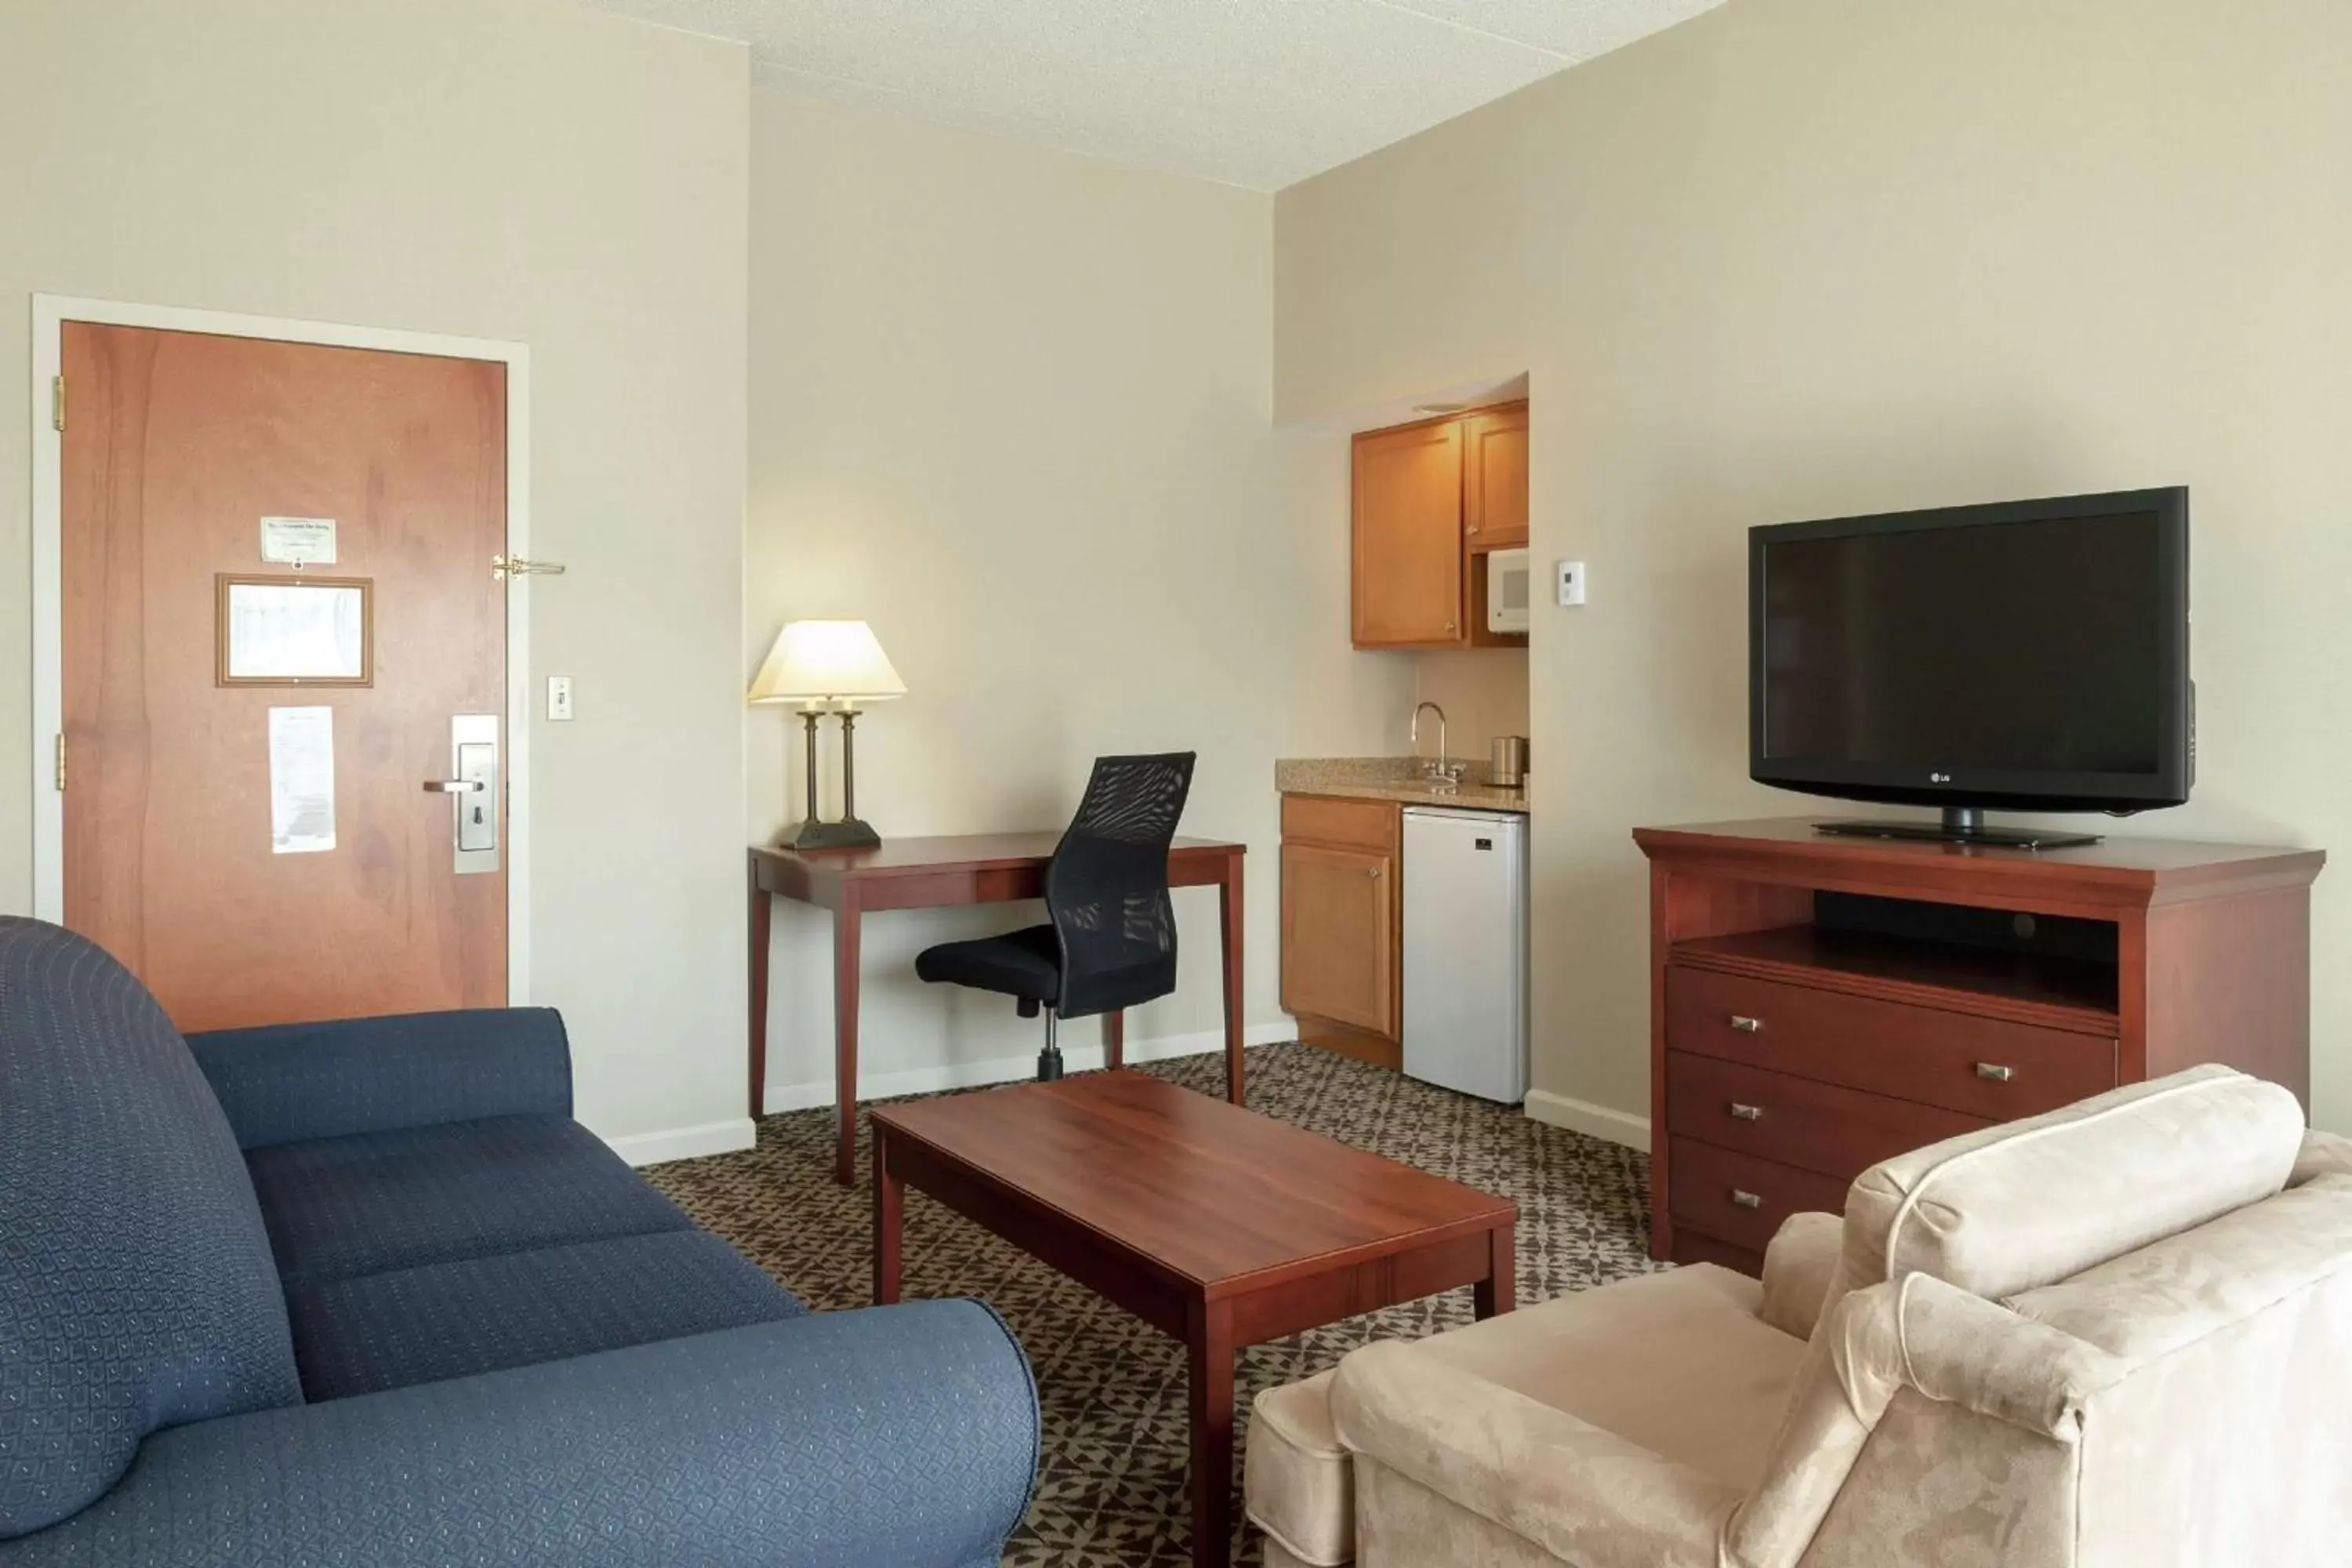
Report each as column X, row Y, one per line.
column 1393, row 778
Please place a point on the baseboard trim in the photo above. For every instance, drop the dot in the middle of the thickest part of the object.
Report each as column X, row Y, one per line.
column 1592, row 1120
column 686, row 1142
column 782, row 1096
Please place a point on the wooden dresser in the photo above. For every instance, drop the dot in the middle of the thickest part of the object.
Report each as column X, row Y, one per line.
column 1818, row 1004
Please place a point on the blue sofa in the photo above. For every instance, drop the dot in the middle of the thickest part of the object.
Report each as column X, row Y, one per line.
column 363, row 1294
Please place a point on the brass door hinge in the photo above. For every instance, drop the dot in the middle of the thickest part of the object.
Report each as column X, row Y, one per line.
column 61, row 762
column 58, row 403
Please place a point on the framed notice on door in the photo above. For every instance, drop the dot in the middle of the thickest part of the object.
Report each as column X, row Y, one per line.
column 295, row 631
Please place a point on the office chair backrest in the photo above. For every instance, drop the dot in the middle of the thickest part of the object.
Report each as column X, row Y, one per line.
column 1107, row 886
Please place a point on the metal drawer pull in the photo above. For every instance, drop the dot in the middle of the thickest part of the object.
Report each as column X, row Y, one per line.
column 1995, row 1071
column 1746, row 1112
column 1747, row 1025
column 1746, row 1200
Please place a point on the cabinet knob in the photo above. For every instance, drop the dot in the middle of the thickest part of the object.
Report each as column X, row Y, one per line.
column 1746, row 1200
column 1747, row 1025
column 1746, row 1112
column 1995, row 1071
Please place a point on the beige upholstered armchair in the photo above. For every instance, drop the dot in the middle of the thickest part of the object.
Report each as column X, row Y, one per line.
column 2117, row 1335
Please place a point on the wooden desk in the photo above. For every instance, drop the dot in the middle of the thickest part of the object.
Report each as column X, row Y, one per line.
column 1219, row 1228
column 932, row 873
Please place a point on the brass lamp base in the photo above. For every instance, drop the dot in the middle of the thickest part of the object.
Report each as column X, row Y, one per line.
column 849, row 833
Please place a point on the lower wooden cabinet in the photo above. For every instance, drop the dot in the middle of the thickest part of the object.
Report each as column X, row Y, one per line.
column 1341, row 922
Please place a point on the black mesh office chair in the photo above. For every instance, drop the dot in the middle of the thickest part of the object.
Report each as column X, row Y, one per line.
column 1112, row 940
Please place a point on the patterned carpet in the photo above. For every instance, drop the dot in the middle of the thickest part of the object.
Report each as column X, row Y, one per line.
column 1111, row 1491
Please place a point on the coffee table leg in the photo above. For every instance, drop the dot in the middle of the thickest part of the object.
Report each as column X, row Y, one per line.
column 889, row 1191
column 1210, row 1380
column 1499, row 1290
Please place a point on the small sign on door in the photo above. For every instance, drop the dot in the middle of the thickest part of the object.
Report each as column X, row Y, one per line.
column 298, row 540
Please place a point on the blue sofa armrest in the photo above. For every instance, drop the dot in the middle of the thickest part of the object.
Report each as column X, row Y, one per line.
column 289, row 1082
column 892, row 1437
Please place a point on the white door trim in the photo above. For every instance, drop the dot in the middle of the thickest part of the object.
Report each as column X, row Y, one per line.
column 50, row 313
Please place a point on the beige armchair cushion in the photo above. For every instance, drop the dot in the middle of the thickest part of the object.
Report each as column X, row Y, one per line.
column 1582, row 1494
column 1678, row 1364
column 2134, row 1165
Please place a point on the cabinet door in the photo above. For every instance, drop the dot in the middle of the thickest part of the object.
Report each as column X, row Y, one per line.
column 1339, row 936
column 1408, row 536
column 1495, row 479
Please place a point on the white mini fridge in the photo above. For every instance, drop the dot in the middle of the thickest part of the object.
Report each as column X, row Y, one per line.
column 1465, row 950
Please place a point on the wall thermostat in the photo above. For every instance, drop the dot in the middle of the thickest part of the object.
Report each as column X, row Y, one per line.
column 1571, row 582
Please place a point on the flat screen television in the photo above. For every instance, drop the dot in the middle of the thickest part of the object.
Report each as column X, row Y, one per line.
column 2032, row 655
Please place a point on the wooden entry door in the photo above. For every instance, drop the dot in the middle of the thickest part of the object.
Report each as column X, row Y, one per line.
column 176, row 445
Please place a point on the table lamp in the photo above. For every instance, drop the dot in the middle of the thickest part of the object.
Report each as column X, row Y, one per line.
column 814, row 663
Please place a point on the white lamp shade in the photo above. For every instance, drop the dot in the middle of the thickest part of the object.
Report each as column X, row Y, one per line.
column 827, row 661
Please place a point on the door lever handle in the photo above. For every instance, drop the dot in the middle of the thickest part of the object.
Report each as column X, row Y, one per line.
column 452, row 786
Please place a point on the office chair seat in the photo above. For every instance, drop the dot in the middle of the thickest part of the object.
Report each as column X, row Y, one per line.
column 1025, row 963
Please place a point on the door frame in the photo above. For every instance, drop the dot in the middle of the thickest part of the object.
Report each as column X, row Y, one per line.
column 50, row 314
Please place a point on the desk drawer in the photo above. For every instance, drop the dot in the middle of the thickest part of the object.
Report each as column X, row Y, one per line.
column 1800, row 1122
column 1957, row 1061
column 1739, row 1198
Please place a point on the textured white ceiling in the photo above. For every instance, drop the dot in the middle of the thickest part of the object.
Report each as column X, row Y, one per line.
column 1258, row 93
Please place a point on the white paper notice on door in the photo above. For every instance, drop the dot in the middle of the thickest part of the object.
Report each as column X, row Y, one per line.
column 298, row 540
column 301, row 779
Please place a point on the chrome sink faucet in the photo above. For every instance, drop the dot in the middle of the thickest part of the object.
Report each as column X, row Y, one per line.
column 1441, row 768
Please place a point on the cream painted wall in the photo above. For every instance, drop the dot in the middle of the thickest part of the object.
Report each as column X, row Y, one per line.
column 493, row 168
column 1010, row 405
column 1813, row 258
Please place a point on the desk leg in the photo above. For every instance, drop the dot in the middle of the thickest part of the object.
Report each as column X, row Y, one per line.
column 845, row 1036
column 1229, row 914
column 1208, row 1348
column 888, row 1195
column 1114, row 1039
column 763, row 906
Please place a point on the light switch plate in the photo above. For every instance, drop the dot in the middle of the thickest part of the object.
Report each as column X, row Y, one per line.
column 558, row 698
column 1571, row 582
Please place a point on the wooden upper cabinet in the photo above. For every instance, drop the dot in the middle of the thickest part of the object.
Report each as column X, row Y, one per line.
column 1495, row 479
column 1408, row 537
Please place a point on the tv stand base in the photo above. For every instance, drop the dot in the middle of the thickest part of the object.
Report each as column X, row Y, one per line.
column 1960, row 825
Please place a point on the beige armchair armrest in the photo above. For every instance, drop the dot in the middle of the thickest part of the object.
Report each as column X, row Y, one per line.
column 1796, row 1269
column 1582, row 1494
column 1914, row 1332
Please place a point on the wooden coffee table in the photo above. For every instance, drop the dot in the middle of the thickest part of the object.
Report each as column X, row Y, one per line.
column 1217, row 1225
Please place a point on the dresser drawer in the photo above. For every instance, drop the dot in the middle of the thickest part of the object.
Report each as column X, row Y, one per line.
column 1800, row 1122
column 1958, row 1062
column 1741, row 1198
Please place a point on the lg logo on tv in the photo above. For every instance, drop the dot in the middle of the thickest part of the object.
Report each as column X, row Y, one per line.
column 1940, row 778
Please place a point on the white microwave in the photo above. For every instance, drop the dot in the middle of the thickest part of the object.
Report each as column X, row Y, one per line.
column 1507, row 591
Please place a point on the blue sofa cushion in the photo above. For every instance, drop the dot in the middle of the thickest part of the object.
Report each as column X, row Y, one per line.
column 342, row 1206
column 483, row 1314
column 136, row 1291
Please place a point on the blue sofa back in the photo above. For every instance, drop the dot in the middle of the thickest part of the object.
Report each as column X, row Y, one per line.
column 137, row 1290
